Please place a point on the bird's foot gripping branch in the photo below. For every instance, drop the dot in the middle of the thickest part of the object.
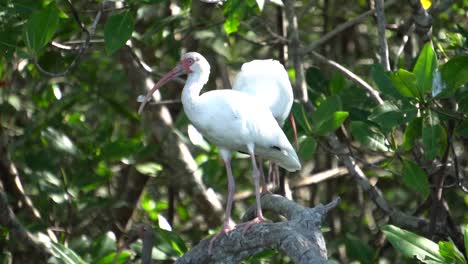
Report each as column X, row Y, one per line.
column 299, row 237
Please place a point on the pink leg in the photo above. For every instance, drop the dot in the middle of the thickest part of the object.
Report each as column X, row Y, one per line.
column 256, row 177
column 228, row 225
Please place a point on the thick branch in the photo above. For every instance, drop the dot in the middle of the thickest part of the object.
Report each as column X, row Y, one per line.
column 299, row 237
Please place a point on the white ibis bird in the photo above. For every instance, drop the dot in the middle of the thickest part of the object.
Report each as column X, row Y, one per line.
column 233, row 121
column 268, row 82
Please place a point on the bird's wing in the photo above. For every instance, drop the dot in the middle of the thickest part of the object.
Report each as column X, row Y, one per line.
column 268, row 81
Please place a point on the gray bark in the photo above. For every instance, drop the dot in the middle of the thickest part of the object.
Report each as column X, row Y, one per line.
column 299, row 237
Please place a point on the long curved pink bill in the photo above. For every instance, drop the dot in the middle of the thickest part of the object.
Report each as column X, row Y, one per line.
column 293, row 124
column 177, row 71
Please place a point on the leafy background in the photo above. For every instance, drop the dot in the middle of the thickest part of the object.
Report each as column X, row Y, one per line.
column 80, row 169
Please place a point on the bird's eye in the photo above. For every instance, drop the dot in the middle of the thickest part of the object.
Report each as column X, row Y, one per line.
column 275, row 147
column 190, row 61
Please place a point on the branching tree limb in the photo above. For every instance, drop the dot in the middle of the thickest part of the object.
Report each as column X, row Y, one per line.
column 299, row 237
column 18, row 233
column 383, row 46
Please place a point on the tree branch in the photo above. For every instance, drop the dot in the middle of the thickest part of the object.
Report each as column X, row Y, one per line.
column 299, row 237
column 340, row 28
column 89, row 34
column 294, row 47
column 351, row 76
column 383, row 46
column 18, row 233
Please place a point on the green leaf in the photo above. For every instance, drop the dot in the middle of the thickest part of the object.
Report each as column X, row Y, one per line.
column 465, row 235
column 231, row 25
column 300, row 117
column 356, row 249
column 425, row 67
column 123, row 257
column 463, row 103
column 387, row 116
column 454, row 74
column 327, row 117
column 65, row 254
column 384, row 81
column 117, row 31
column 434, row 137
column 316, row 80
column 415, row 178
column 149, row 168
column 368, row 136
column 412, row 245
column 307, row 147
column 337, row 83
column 41, row 27
column 462, row 128
column 450, row 253
column 412, row 132
column 406, row 83
column 331, row 123
column 234, row 11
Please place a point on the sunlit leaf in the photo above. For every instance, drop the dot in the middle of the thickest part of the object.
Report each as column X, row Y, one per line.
column 450, row 253
column 65, row 254
column 149, row 168
column 118, row 30
column 415, row 178
column 123, row 257
column 406, row 83
column 425, row 67
column 412, row 245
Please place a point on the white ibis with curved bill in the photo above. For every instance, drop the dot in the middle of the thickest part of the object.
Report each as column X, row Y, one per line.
column 268, row 82
column 233, row 121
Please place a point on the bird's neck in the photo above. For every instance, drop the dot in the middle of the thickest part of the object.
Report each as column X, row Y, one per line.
column 192, row 88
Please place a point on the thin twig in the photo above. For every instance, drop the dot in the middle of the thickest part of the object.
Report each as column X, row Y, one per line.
column 383, row 46
column 405, row 39
column 351, row 76
column 340, row 28
column 294, row 47
column 89, row 33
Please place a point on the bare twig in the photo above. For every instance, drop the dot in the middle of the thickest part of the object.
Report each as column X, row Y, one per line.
column 351, row 76
column 340, row 28
column 383, row 46
column 294, row 47
column 405, row 39
column 89, row 33
column 18, row 233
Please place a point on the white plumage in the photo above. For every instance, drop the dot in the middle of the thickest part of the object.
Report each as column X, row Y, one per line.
column 268, row 82
column 233, row 121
